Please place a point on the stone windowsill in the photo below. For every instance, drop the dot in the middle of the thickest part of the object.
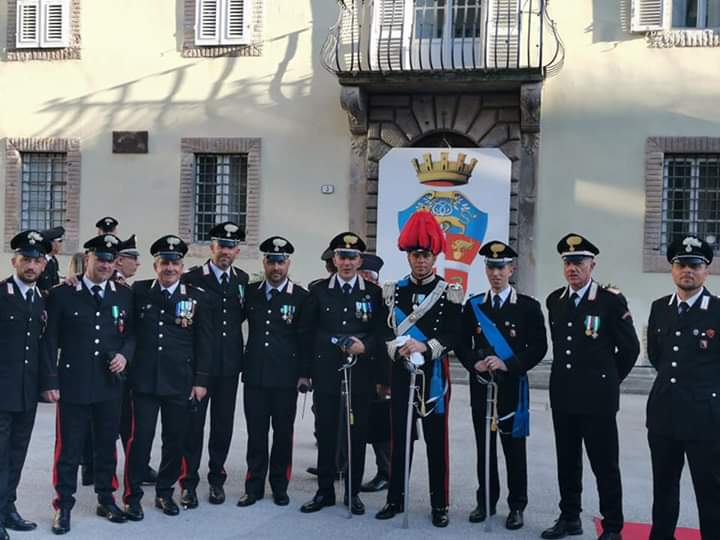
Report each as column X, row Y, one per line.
column 684, row 37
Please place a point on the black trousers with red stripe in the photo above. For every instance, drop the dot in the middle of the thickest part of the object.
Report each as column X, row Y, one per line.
column 174, row 425
column 72, row 422
column 435, row 433
column 15, row 431
column 221, row 398
column 125, row 427
column 263, row 407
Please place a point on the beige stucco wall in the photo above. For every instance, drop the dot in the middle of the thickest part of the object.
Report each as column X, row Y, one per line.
column 132, row 77
column 612, row 94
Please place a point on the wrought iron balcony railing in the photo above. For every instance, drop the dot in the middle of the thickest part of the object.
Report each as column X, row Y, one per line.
column 416, row 36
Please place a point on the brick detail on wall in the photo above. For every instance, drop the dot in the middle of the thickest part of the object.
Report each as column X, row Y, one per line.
column 190, row 50
column 13, row 150
column 655, row 149
column 240, row 145
column 65, row 53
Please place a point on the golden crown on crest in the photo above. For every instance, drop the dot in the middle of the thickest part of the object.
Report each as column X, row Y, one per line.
column 444, row 172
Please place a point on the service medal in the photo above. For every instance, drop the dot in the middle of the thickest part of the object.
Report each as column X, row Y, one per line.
column 592, row 325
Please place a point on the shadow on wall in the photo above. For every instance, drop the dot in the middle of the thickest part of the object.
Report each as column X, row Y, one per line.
column 611, row 22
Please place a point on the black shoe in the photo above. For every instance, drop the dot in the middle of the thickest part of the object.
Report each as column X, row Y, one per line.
column 247, row 500
column 317, row 503
column 313, row 471
column 217, row 495
column 188, row 498
column 390, row 510
column 15, row 522
column 167, row 505
column 61, row 521
column 357, row 507
column 376, row 484
column 514, row 520
column 4, row 534
column 134, row 511
column 87, row 475
column 150, row 477
column 563, row 528
column 111, row 512
column 440, row 517
column 281, row 499
column 610, row 536
column 479, row 514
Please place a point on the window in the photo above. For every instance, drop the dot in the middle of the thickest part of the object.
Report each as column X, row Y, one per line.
column 42, row 24
column 431, row 20
column 691, row 197
column 695, row 13
column 220, row 191
column 43, row 202
column 223, row 22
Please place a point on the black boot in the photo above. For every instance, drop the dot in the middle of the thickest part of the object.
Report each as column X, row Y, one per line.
column 562, row 528
column 61, row 521
column 390, row 510
column 440, row 517
column 15, row 522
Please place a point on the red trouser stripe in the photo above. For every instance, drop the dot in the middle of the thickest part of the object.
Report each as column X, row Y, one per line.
column 58, row 450
column 128, row 449
column 288, row 469
column 446, row 373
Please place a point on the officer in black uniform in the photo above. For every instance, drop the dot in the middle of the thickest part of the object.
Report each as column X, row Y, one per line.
column 520, row 320
column 225, row 286
column 594, row 348
column 271, row 372
column 107, row 225
column 683, row 410
column 91, row 324
column 128, row 260
column 51, row 275
column 23, row 315
column 432, row 307
column 344, row 311
column 169, row 373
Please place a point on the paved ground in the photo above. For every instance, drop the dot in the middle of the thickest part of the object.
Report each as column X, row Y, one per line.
column 265, row 520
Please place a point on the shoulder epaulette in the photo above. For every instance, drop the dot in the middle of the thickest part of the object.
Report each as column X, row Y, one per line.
column 455, row 293
column 612, row 290
column 388, row 291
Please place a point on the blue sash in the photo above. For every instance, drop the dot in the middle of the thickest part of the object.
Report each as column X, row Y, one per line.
column 521, row 419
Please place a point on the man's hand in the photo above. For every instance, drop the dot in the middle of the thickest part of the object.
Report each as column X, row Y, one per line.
column 73, row 281
column 358, row 347
column 481, row 366
column 53, row 396
column 382, row 391
column 495, row 364
column 118, row 363
column 198, row 392
column 412, row 346
column 303, row 382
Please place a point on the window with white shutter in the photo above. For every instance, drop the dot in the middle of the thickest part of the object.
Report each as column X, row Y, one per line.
column 503, row 39
column 43, row 24
column 223, row 22
column 655, row 15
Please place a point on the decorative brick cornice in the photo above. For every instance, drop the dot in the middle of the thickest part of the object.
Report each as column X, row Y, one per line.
column 72, row 52
column 239, row 145
column 13, row 185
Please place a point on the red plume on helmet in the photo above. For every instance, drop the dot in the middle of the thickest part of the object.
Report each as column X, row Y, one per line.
column 422, row 231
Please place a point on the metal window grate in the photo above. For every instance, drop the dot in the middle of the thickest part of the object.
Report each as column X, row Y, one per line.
column 220, row 191
column 691, row 198
column 43, row 200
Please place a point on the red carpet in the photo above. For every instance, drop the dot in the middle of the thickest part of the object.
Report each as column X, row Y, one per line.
column 641, row 531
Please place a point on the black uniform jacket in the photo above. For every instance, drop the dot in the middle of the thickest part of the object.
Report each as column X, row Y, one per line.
column 521, row 322
column 51, row 275
column 227, row 313
column 684, row 402
column 331, row 313
column 276, row 329
column 81, row 339
column 594, row 348
column 21, row 328
column 174, row 346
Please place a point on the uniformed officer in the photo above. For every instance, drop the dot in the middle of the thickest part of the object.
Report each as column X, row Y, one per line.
column 23, row 316
column 170, row 372
column 107, row 225
column 271, row 371
column 51, row 275
column 128, row 260
column 508, row 355
column 344, row 311
column 426, row 309
column 594, row 348
column 91, row 324
column 225, row 286
column 683, row 410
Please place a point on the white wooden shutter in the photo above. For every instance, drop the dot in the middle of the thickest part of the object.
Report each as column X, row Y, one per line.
column 648, row 15
column 503, row 39
column 28, row 24
column 236, row 22
column 55, row 23
column 390, row 41
column 207, row 22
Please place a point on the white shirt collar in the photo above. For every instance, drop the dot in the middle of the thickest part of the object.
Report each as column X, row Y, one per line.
column 269, row 287
column 89, row 284
column 342, row 282
column 581, row 292
column 171, row 288
column 502, row 294
column 24, row 287
column 691, row 301
column 218, row 272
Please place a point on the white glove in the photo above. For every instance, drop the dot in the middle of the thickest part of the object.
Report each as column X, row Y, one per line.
column 415, row 359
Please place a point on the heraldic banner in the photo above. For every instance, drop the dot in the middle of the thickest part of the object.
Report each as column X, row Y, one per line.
column 468, row 192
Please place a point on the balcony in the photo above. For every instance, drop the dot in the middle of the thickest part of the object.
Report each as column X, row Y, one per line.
column 390, row 42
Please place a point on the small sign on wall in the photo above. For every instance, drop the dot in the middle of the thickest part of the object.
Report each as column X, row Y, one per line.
column 130, row 142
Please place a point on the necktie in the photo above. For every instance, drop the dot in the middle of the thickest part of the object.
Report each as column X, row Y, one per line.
column 273, row 294
column 683, row 308
column 497, row 302
column 96, row 294
column 347, row 288
column 224, row 281
column 29, row 297
column 166, row 294
column 574, row 299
